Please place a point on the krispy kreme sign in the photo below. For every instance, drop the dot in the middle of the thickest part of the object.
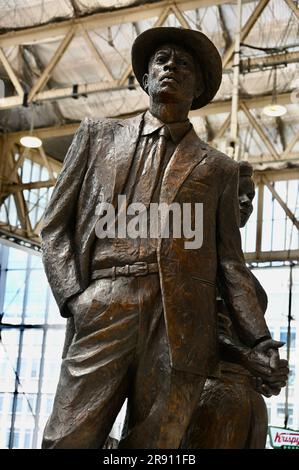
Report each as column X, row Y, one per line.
column 280, row 437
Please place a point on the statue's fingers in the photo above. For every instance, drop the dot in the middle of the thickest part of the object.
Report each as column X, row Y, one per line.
column 263, row 371
column 276, row 378
column 266, row 391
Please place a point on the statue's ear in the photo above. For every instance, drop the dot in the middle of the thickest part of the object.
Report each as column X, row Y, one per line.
column 145, row 81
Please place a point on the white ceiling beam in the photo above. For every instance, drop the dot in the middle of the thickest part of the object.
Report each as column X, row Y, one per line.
column 16, row 188
column 293, row 7
column 245, row 30
column 280, row 201
column 266, row 256
column 219, row 107
column 267, row 158
column 11, row 73
column 216, row 107
column 46, row 162
column 53, row 30
column 291, row 144
column 113, row 85
column 260, row 62
column 85, row 89
column 97, row 55
column 260, row 131
column 180, row 16
column 276, row 173
column 40, row 83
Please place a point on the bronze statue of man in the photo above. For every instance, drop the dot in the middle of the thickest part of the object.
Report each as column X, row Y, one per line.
column 143, row 308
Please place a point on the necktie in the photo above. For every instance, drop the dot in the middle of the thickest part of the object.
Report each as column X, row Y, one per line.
column 152, row 169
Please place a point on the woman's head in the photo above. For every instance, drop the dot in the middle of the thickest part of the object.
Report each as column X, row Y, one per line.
column 246, row 191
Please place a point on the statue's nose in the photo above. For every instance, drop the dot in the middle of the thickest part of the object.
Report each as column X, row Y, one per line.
column 171, row 63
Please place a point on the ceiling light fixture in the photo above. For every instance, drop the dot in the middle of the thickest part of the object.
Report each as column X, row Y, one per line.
column 31, row 141
column 274, row 109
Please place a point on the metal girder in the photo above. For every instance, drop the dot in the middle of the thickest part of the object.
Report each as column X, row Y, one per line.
column 265, row 158
column 221, row 131
column 291, row 144
column 279, row 174
column 11, row 73
column 234, row 124
column 269, row 60
column 19, row 199
column 97, row 55
column 214, row 107
column 12, row 185
column 293, row 7
column 268, row 256
column 51, row 65
column 45, row 132
column 37, row 95
column 245, row 30
column 16, row 188
column 47, row 163
column 275, row 194
column 16, row 236
column 112, row 84
column 262, row 179
column 104, row 86
column 260, row 131
column 224, row 28
column 37, row 34
column 180, row 16
column 80, row 26
column 259, row 223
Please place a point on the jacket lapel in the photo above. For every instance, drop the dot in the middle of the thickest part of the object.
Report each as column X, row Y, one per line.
column 189, row 153
column 126, row 137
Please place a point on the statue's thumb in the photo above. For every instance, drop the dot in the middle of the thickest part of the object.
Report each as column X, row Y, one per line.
column 277, row 344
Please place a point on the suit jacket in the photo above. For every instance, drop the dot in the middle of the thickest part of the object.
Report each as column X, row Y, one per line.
column 97, row 164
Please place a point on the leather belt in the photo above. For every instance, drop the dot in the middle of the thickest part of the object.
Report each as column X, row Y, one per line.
column 140, row 268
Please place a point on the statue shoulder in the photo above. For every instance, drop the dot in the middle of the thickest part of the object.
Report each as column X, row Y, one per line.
column 225, row 164
column 106, row 124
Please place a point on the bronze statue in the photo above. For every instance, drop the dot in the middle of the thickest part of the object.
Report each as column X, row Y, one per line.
column 143, row 309
column 232, row 413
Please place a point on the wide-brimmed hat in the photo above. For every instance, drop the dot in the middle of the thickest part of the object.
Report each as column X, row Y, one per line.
column 197, row 43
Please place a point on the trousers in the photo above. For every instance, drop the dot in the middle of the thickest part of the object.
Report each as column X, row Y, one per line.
column 120, row 350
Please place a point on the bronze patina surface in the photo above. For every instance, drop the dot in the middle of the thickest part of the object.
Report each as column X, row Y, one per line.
column 147, row 334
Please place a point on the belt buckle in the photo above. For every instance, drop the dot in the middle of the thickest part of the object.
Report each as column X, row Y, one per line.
column 143, row 265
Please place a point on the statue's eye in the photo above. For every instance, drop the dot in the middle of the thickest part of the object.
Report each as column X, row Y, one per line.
column 183, row 62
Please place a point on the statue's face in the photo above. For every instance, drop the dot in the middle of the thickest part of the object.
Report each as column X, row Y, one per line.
column 246, row 195
column 172, row 75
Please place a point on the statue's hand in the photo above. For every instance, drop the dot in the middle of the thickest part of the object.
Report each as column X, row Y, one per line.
column 266, row 389
column 273, row 384
column 263, row 359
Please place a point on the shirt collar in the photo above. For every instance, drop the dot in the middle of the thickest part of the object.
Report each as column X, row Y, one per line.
column 177, row 129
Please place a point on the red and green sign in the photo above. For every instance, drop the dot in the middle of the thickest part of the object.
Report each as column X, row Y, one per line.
column 282, row 438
